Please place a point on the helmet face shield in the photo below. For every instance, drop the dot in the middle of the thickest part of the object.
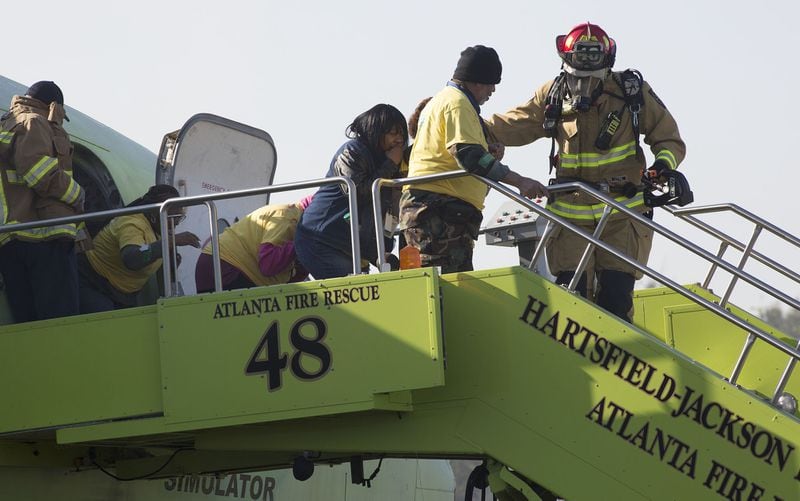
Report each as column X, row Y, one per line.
column 587, row 56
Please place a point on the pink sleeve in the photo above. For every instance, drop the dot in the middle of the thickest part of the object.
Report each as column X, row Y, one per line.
column 273, row 259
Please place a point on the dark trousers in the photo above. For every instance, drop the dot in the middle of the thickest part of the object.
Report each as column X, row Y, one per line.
column 41, row 279
column 96, row 292
column 320, row 259
column 232, row 277
column 614, row 294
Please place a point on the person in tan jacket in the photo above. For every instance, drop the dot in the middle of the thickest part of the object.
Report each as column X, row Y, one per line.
column 595, row 117
column 39, row 266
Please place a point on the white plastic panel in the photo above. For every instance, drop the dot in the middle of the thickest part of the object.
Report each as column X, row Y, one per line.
column 211, row 154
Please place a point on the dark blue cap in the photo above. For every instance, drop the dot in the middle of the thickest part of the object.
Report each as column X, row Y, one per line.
column 46, row 92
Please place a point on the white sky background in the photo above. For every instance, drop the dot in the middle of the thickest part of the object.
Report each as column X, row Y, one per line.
column 303, row 70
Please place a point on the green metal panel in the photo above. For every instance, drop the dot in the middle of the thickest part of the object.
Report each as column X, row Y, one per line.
column 587, row 405
column 713, row 341
column 536, row 377
column 79, row 369
column 300, row 350
column 572, row 382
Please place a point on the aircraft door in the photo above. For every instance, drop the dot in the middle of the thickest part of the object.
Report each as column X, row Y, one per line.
column 211, row 154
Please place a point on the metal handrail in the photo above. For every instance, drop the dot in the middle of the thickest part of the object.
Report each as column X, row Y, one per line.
column 208, row 200
column 215, row 259
column 92, row 216
column 794, row 353
column 719, row 310
column 592, row 241
column 687, row 214
column 275, row 188
column 376, row 204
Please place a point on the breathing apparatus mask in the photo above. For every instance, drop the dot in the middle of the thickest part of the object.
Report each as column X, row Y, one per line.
column 584, row 86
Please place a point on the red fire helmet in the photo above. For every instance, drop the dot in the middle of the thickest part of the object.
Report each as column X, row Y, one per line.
column 587, row 47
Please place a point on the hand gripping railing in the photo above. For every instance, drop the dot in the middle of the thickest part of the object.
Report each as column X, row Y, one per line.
column 208, row 201
column 593, row 241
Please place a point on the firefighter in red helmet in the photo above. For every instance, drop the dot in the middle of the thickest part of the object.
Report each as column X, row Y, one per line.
column 595, row 117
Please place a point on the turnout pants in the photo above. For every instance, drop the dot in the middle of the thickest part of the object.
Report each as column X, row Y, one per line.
column 615, row 278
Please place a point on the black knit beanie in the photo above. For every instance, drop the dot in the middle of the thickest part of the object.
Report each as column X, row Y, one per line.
column 479, row 64
column 46, row 92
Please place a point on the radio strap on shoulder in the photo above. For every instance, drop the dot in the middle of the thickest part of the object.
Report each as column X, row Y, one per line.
column 631, row 83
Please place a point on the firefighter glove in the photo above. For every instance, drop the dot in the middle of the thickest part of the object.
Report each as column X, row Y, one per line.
column 655, row 171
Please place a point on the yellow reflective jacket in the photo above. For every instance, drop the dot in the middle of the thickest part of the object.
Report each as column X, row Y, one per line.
column 36, row 170
column 578, row 157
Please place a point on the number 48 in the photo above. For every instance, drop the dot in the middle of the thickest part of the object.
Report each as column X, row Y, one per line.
column 268, row 359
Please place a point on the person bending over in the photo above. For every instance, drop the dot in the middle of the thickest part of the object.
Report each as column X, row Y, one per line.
column 126, row 253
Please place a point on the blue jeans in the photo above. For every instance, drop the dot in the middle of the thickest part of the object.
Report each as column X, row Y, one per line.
column 320, row 259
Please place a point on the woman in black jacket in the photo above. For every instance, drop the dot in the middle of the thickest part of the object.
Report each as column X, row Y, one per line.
column 375, row 150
